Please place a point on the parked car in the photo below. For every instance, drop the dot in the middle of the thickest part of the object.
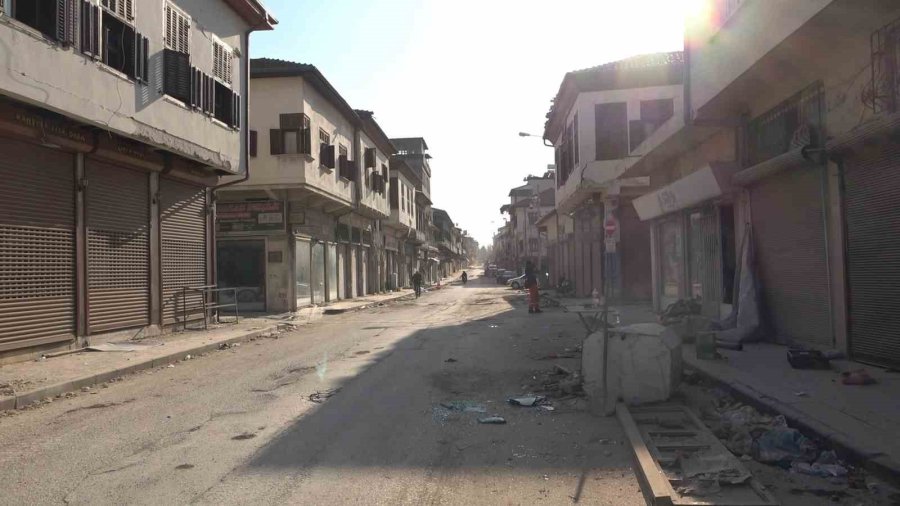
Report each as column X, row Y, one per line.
column 503, row 276
column 516, row 283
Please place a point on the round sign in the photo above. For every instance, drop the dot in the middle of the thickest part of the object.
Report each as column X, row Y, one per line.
column 611, row 226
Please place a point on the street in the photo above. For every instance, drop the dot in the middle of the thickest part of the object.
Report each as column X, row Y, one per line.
column 344, row 410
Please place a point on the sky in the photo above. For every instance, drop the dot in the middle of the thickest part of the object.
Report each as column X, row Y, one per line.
column 466, row 75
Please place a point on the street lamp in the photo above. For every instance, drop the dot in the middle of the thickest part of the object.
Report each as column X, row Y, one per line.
column 526, row 134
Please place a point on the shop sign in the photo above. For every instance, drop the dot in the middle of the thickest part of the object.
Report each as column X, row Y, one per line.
column 265, row 216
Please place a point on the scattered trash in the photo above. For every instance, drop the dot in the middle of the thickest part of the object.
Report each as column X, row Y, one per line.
column 493, row 326
column 857, row 377
column 676, row 311
column 525, row 401
column 225, row 346
column 605, row 441
column 822, row 470
column 171, row 366
column 244, row 436
column 801, row 394
column 800, row 358
column 492, row 420
column 464, row 406
column 320, row 397
column 719, row 467
column 783, row 445
column 700, row 488
column 546, row 407
column 188, row 357
column 451, row 360
column 562, row 370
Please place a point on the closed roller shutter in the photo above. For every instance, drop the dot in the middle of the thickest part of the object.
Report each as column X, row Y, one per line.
column 790, row 240
column 183, row 237
column 37, row 245
column 873, row 257
column 118, row 239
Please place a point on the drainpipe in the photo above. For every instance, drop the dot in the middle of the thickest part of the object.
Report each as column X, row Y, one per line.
column 245, row 117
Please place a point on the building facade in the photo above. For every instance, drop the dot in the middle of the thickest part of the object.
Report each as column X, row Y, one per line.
column 802, row 167
column 528, row 203
column 421, row 250
column 118, row 118
column 305, row 227
column 599, row 117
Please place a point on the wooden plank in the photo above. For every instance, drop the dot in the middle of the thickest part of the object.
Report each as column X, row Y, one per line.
column 654, row 484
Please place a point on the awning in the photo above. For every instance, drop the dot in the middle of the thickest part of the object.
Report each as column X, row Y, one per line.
column 710, row 182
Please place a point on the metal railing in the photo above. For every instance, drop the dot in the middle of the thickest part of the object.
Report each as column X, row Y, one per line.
column 209, row 301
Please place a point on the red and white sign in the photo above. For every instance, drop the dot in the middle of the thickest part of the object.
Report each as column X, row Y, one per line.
column 611, row 225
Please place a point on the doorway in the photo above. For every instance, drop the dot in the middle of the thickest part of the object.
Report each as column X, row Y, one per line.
column 242, row 265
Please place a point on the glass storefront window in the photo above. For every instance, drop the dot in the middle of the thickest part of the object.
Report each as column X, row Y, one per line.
column 332, row 272
column 317, row 265
column 302, row 269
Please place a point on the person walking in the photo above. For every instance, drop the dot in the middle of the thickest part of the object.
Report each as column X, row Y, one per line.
column 531, row 284
column 417, row 283
column 464, row 277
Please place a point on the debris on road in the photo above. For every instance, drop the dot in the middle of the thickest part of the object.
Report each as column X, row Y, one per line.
column 527, row 402
column 464, row 406
column 321, row 397
column 451, row 360
column 857, row 377
column 492, row 420
column 244, row 436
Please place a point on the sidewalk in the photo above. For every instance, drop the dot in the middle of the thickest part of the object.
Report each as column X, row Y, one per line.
column 863, row 420
column 24, row 383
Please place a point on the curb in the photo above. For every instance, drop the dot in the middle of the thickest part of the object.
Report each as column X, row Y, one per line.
column 20, row 401
column 334, row 311
column 870, row 459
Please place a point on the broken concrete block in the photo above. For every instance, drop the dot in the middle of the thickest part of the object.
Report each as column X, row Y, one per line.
column 644, row 366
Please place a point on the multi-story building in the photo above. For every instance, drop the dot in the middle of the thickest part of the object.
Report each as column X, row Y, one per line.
column 504, row 255
column 116, row 121
column 527, row 205
column 449, row 241
column 413, row 151
column 400, row 234
column 303, row 229
column 787, row 141
column 599, row 117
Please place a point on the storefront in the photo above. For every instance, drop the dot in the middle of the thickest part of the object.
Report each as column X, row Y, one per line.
column 76, row 215
column 692, row 231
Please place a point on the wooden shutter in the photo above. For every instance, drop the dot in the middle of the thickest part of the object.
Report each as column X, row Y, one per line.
column 236, row 110
column 196, row 88
column 141, row 57
column 254, row 141
column 370, row 158
column 210, row 90
column 66, row 19
column 394, row 194
column 177, row 75
column 276, row 142
column 306, row 138
column 90, row 28
column 326, row 155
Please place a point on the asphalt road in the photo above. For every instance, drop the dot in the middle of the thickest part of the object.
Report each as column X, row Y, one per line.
column 238, row 426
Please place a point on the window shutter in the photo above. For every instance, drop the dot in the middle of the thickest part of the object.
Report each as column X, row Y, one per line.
column 210, row 95
column 394, row 194
column 141, row 57
column 90, row 28
column 370, row 158
column 251, row 148
column 66, row 19
column 276, row 142
column 236, row 110
column 306, row 139
column 129, row 9
column 177, row 75
column 326, row 155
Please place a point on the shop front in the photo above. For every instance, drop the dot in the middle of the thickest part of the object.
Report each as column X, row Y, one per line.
column 693, row 247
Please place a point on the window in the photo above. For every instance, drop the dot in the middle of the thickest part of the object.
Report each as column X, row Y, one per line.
column 370, row 158
column 293, row 136
column 178, row 30
column 346, row 168
column 394, row 193
column 798, row 121
column 122, row 8
column 326, row 150
column 654, row 113
column 40, row 15
column 611, row 122
column 254, row 141
column 533, row 245
column 222, row 62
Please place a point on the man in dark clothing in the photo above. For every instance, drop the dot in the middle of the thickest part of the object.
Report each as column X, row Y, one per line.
column 464, row 277
column 417, row 283
column 531, row 284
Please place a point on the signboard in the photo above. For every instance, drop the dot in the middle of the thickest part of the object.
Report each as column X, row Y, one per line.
column 263, row 216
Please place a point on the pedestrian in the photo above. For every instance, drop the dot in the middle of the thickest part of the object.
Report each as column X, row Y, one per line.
column 531, row 284
column 417, row 283
column 464, row 277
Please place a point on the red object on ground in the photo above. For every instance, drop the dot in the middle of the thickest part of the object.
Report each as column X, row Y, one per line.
column 857, row 377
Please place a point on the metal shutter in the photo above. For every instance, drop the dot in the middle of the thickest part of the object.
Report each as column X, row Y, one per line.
column 183, row 236
column 37, row 245
column 871, row 187
column 790, row 241
column 118, row 241
column 705, row 255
